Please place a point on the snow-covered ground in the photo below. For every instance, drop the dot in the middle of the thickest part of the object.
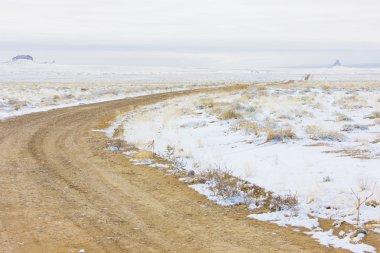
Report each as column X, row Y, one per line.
column 317, row 140
column 34, row 72
column 22, row 98
column 27, row 87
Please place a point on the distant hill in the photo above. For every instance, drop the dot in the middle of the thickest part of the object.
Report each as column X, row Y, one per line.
column 22, row 58
column 337, row 64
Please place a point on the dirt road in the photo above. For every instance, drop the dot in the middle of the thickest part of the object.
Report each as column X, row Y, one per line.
column 62, row 192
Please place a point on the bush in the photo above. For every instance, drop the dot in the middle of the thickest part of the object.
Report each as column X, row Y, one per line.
column 229, row 114
column 249, row 127
column 376, row 140
column 223, row 184
column 286, row 202
column 317, row 133
column 342, row 117
column 374, row 115
column 280, row 135
column 348, row 128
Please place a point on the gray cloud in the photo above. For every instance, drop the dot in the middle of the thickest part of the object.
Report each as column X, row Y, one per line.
column 198, row 26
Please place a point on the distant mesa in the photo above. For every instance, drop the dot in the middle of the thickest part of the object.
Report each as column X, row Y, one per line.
column 22, row 58
column 337, row 64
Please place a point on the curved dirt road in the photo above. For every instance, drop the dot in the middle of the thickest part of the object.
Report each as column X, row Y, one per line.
column 61, row 192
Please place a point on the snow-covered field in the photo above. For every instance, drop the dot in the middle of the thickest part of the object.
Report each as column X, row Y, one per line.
column 58, row 73
column 22, row 98
column 316, row 141
column 27, row 87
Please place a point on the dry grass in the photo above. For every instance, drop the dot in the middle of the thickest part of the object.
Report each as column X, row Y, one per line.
column 118, row 144
column 118, row 132
column 223, row 183
column 317, row 133
column 374, row 115
column 376, row 140
column 288, row 201
column 229, row 114
column 280, row 135
column 342, row 117
column 352, row 127
column 249, row 127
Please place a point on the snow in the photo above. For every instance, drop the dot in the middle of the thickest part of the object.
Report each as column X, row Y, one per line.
column 322, row 176
column 288, row 218
column 18, row 99
column 34, row 72
column 204, row 190
column 328, row 239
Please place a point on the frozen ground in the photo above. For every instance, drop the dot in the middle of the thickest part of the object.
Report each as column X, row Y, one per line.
column 316, row 140
column 29, row 87
column 22, row 98
column 34, row 72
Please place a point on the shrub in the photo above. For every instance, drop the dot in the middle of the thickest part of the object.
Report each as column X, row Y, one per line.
column 118, row 132
column 317, row 133
column 229, row 114
column 351, row 127
column 223, row 184
column 177, row 163
column 342, row 117
column 249, row 127
column 376, row 140
column 286, row 202
column 280, row 135
column 118, row 144
column 374, row 115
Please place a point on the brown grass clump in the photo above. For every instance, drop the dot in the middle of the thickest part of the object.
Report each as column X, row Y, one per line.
column 249, row 127
column 317, row 133
column 288, row 201
column 223, row 183
column 207, row 103
column 376, row 140
column 342, row 117
column 56, row 97
column 229, row 114
column 372, row 203
column 118, row 144
column 374, row 115
column 280, row 135
column 352, row 127
column 118, row 132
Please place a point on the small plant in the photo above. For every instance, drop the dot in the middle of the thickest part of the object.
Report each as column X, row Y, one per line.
column 177, row 163
column 118, row 132
column 352, row 127
column 372, row 203
column 118, row 144
column 317, row 133
column 229, row 114
column 280, row 135
column 286, row 202
column 222, row 183
column 249, row 127
column 342, row 117
column 361, row 197
column 374, row 115
column 376, row 140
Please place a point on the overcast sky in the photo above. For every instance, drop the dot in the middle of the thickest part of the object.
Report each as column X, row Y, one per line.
column 196, row 33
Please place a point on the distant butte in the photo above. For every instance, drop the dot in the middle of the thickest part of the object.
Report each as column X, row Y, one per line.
column 22, row 57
